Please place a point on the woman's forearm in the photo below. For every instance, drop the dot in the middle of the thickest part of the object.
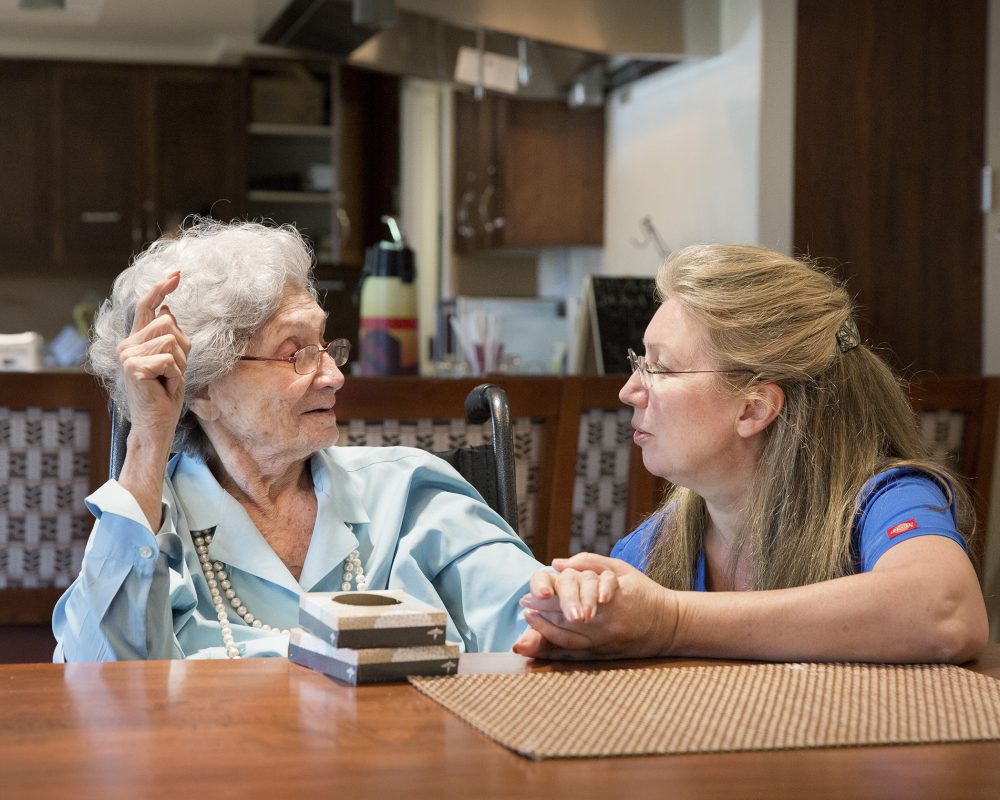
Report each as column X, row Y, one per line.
column 142, row 475
column 912, row 611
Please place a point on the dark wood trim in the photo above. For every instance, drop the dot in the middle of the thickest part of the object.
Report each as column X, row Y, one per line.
column 557, row 528
column 441, row 398
column 28, row 606
column 979, row 400
column 987, row 460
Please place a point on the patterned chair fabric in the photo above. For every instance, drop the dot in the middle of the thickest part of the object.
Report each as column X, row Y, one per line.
column 440, row 435
column 942, row 432
column 600, row 491
column 44, row 463
column 44, row 474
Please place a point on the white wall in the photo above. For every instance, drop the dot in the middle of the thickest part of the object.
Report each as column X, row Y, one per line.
column 776, row 153
column 421, row 196
column 703, row 148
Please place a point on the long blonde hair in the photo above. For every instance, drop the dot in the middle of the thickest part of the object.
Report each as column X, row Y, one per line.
column 846, row 416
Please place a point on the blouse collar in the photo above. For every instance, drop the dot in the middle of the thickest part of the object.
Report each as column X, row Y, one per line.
column 238, row 543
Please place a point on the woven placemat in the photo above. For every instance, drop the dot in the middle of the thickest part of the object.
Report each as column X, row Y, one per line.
column 713, row 709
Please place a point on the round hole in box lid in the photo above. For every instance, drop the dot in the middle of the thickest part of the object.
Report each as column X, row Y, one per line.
column 365, row 599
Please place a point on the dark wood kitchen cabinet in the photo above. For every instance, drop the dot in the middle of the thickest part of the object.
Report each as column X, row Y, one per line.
column 528, row 173
column 97, row 159
column 196, row 151
column 133, row 146
column 24, row 150
column 96, row 166
column 889, row 143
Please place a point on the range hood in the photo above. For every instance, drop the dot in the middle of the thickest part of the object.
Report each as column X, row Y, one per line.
column 570, row 49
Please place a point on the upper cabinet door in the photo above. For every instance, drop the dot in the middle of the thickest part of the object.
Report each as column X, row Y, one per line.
column 195, row 153
column 528, row 173
column 890, row 109
column 478, row 189
column 365, row 114
column 96, row 165
column 24, row 190
column 135, row 149
column 552, row 174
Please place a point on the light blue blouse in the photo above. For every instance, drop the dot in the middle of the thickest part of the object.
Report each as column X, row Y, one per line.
column 417, row 524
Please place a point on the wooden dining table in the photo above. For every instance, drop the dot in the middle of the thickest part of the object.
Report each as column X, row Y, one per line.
column 269, row 728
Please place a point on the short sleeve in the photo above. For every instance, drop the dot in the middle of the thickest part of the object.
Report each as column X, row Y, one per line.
column 634, row 548
column 900, row 506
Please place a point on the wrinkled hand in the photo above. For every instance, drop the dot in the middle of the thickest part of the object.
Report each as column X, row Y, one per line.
column 153, row 359
column 596, row 606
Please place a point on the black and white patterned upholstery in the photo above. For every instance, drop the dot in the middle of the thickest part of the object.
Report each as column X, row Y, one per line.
column 44, row 463
column 44, row 472
column 441, row 435
column 600, row 491
column 942, row 432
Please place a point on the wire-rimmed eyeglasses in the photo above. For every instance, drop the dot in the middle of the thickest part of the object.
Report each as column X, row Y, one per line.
column 306, row 359
column 640, row 365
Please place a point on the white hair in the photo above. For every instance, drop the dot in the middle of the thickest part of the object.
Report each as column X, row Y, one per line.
column 233, row 276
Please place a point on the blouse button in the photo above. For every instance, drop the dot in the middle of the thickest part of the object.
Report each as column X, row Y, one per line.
column 146, row 552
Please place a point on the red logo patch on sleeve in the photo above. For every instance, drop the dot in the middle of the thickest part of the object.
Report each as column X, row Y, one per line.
column 902, row 527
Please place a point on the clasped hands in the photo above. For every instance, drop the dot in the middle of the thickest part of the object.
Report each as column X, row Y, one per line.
column 594, row 606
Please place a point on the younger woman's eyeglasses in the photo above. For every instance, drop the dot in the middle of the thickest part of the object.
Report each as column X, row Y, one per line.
column 306, row 359
column 646, row 372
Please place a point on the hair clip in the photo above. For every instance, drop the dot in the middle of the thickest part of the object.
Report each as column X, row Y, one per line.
column 848, row 337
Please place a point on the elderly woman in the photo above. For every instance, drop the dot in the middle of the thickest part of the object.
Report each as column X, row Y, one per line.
column 805, row 521
column 214, row 342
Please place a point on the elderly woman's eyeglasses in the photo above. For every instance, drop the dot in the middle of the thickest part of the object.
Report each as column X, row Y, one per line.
column 306, row 360
column 640, row 365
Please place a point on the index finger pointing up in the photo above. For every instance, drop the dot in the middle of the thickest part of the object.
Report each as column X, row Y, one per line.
column 145, row 309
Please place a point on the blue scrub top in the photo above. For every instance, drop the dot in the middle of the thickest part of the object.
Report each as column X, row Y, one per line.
column 895, row 505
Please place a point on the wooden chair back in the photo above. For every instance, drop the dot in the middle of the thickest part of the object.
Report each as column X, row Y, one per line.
column 958, row 418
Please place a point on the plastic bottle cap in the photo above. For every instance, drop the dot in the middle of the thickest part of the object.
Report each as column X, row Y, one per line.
column 387, row 259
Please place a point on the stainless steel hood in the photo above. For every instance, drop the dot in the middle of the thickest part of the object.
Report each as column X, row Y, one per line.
column 576, row 49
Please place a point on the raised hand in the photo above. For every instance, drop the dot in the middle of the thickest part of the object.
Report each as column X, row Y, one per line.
column 596, row 606
column 153, row 359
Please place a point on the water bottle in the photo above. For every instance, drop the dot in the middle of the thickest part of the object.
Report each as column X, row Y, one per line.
column 388, row 312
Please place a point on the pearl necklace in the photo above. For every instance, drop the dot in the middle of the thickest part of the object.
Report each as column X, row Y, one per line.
column 221, row 588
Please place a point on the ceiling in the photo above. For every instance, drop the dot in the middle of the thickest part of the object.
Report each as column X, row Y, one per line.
column 209, row 31
column 221, row 31
column 566, row 43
